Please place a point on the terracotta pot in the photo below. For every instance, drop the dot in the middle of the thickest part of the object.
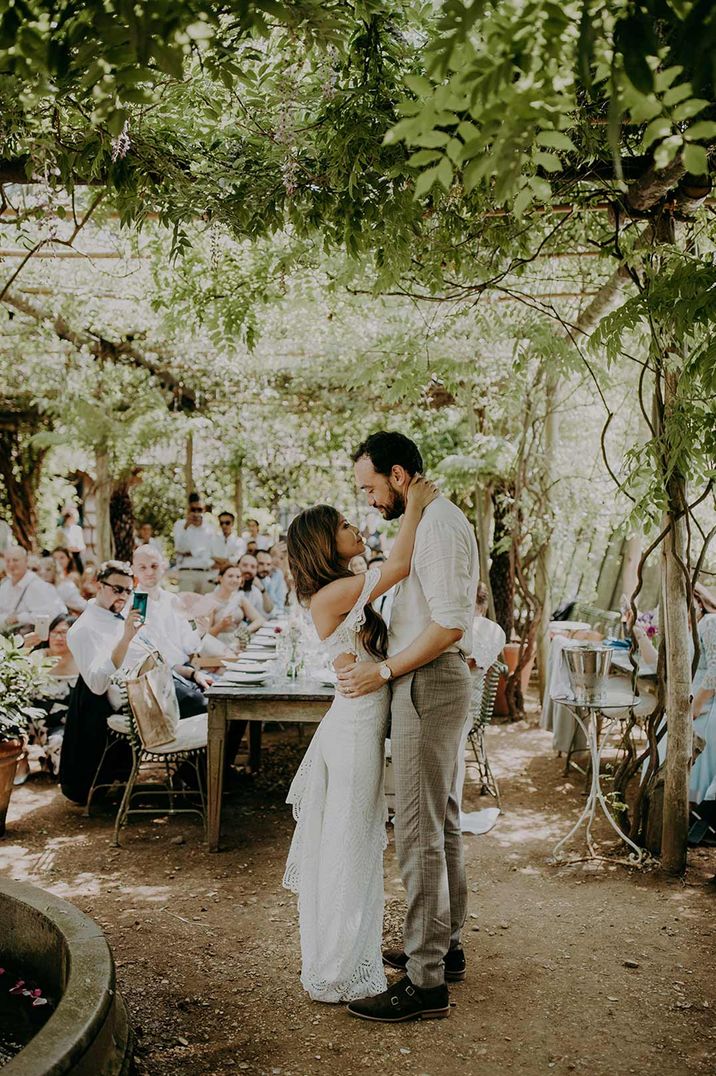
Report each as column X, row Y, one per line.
column 510, row 656
column 10, row 752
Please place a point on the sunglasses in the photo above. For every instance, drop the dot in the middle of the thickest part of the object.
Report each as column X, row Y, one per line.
column 117, row 589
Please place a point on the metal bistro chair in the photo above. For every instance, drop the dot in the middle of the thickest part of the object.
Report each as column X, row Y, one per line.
column 188, row 748
column 482, row 709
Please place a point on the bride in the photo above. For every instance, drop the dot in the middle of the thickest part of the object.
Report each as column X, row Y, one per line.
column 335, row 863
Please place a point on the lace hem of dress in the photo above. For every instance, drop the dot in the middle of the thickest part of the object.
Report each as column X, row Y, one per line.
column 367, row 980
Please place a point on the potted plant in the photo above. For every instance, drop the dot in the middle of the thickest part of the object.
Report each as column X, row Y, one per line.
column 21, row 681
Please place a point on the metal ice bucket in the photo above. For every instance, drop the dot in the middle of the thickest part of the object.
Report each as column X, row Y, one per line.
column 588, row 667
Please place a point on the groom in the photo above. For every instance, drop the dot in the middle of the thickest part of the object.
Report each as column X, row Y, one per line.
column 429, row 642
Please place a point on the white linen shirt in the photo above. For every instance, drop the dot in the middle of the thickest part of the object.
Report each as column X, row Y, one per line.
column 230, row 548
column 169, row 631
column 71, row 596
column 91, row 640
column 194, row 545
column 442, row 584
column 94, row 635
column 29, row 598
column 256, row 599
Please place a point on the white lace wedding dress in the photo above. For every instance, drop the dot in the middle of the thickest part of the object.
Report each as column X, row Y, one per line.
column 335, row 863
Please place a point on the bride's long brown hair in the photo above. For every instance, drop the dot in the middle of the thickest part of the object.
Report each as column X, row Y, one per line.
column 314, row 562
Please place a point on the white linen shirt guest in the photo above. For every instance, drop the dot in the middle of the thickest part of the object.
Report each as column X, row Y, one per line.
column 169, row 631
column 71, row 596
column 230, row 548
column 193, row 546
column 91, row 640
column 29, row 598
column 442, row 583
column 256, row 598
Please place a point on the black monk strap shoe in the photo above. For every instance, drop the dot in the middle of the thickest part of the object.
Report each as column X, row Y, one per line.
column 454, row 963
column 403, row 1001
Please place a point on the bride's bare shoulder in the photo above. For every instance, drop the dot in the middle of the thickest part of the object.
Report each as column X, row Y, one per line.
column 330, row 604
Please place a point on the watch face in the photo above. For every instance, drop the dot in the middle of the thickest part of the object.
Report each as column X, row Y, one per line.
column 384, row 671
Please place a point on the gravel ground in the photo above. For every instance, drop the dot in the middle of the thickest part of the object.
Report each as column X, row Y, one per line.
column 592, row 968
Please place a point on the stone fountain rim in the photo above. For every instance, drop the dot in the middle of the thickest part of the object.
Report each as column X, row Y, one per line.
column 90, row 993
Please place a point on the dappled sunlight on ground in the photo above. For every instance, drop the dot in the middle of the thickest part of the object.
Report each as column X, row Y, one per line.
column 520, row 828
column 208, row 953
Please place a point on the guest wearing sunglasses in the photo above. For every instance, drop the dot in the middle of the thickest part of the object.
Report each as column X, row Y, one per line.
column 102, row 642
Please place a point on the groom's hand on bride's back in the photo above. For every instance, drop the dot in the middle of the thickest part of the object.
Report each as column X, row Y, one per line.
column 359, row 679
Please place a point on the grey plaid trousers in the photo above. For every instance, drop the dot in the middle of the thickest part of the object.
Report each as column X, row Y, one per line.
column 428, row 712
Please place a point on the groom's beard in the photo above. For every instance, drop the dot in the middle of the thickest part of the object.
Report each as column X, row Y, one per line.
column 396, row 508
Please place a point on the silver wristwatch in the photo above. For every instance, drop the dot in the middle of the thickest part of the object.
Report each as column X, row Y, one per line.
column 385, row 671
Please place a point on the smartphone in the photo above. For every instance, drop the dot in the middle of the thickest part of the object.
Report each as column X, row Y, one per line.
column 42, row 627
column 139, row 601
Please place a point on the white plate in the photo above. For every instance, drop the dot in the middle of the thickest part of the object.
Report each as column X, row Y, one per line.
column 249, row 666
column 244, row 678
column 267, row 631
column 255, row 655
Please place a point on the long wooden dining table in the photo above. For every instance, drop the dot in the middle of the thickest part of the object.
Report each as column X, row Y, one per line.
column 300, row 702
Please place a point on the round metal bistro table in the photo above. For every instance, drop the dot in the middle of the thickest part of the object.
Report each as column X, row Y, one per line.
column 596, row 732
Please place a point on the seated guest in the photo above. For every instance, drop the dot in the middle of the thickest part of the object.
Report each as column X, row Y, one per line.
column 107, row 642
column 169, row 631
column 227, row 546
column 228, row 607
column 145, row 536
column 251, row 534
column 272, row 578
column 279, row 558
column 24, row 596
column 45, row 731
column 253, row 587
column 88, row 583
column 193, row 544
column 66, row 587
column 65, row 565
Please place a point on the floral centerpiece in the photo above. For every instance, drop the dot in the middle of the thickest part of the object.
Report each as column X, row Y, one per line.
column 292, row 644
column 21, row 680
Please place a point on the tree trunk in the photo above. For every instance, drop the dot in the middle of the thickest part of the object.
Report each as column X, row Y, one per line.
column 483, row 522
column 239, row 498
column 630, row 563
column 103, row 492
column 21, row 470
column 502, row 572
column 675, row 825
column 121, row 517
column 545, row 562
column 483, row 528
column 189, row 465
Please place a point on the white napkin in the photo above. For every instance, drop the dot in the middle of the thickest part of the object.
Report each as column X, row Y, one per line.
column 479, row 822
column 559, row 685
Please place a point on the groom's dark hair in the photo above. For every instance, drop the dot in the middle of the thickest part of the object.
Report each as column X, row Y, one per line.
column 386, row 449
